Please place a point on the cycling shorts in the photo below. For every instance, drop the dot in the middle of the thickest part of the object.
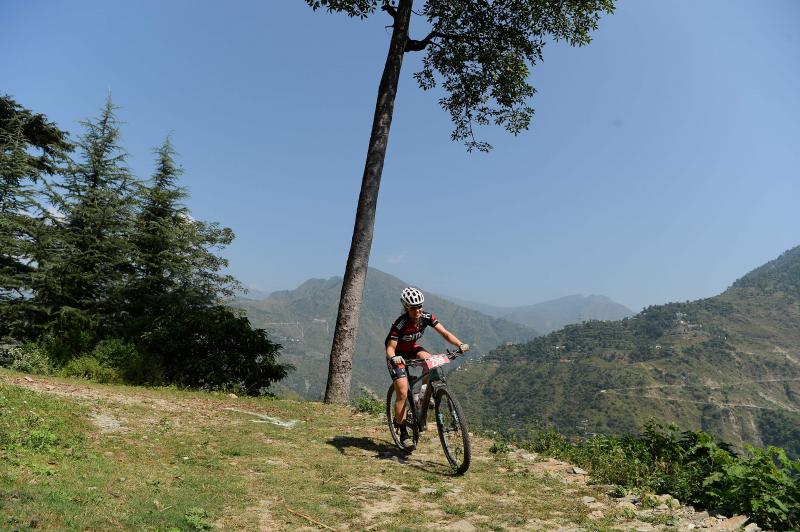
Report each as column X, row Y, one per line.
column 399, row 372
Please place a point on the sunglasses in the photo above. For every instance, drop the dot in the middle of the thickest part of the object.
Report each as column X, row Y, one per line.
column 414, row 307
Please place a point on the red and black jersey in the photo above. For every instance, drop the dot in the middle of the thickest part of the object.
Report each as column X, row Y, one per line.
column 406, row 332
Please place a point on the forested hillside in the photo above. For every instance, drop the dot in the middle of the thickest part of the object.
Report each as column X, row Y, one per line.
column 105, row 274
column 302, row 320
column 729, row 365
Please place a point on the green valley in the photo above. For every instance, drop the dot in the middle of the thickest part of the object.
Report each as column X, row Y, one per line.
column 729, row 365
column 303, row 320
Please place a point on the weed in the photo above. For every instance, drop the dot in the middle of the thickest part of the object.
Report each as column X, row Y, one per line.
column 30, row 358
column 198, row 519
column 452, row 509
column 88, row 367
column 368, row 403
column 499, row 447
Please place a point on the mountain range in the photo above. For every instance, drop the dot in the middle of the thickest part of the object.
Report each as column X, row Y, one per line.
column 729, row 364
column 554, row 314
column 303, row 321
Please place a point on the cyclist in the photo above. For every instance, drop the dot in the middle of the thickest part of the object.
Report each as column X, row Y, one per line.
column 401, row 345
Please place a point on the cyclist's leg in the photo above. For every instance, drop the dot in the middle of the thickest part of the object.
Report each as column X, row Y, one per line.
column 400, row 382
column 422, row 353
column 401, row 394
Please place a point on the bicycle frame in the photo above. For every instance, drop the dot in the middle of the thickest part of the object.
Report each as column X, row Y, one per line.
column 436, row 381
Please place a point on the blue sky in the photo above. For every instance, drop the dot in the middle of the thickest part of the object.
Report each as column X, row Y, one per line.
column 662, row 164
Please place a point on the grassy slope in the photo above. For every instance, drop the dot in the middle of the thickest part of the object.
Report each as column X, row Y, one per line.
column 75, row 455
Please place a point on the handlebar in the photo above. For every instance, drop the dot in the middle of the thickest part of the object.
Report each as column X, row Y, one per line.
column 451, row 354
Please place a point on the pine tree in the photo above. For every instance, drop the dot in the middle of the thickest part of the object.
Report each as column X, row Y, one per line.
column 176, row 316
column 31, row 148
column 80, row 286
column 171, row 250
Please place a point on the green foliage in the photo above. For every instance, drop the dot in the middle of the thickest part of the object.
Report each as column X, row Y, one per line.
column 368, row 403
column 30, row 358
column 482, row 53
column 88, row 367
column 763, row 484
column 499, row 447
column 127, row 360
column 691, row 467
column 198, row 519
column 115, row 279
column 213, row 348
column 78, row 283
column 30, row 148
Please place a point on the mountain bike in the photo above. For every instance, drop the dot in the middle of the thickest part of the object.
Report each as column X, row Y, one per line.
column 450, row 420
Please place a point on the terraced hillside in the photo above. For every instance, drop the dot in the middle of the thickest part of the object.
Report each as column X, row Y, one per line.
column 729, row 365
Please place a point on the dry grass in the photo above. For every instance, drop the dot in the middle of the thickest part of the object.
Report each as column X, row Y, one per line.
column 161, row 459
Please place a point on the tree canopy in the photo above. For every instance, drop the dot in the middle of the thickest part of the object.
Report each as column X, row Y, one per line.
column 105, row 272
column 481, row 53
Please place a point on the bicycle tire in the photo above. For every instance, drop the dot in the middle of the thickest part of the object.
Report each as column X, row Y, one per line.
column 453, row 432
column 411, row 420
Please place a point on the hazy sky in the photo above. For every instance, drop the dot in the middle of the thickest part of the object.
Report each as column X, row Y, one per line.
column 662, row 164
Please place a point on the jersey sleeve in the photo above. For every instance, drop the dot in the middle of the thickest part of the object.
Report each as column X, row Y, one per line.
column 433, row 321
column 394, row 332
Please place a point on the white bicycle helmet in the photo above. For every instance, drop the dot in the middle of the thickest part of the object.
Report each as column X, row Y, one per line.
column 411, row 296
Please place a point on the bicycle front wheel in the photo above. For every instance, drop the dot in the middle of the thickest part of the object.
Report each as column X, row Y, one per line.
column 453, row 432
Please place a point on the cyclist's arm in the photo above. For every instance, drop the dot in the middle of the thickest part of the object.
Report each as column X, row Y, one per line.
column 391, row 345
column 447, row 335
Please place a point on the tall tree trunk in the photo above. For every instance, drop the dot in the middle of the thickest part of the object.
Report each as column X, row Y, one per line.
column 344, row 338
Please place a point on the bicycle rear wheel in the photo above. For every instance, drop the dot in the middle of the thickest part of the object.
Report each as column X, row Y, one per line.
column 453, row 432
column 411, row 420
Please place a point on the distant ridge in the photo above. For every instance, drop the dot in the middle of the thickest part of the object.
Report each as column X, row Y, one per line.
column 554, row 314
column 729, row 364
column 303, row 321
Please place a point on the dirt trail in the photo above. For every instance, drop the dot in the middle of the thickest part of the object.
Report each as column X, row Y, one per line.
column 567, row 488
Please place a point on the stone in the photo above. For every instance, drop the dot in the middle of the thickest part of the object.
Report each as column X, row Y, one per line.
column 626, row 505
column 463, row 526
column 232, row 396
column 752, row 527
column 736, row 522
column 579, row 471
column 587, row 500
column 427, row 491
column 527, row 456
column 597, row 514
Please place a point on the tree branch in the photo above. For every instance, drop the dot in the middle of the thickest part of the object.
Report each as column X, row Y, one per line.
column 417, row 46
column 390, row 9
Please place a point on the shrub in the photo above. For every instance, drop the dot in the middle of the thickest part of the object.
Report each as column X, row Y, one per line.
column 499, row 447
column 213, row 348
column 368, row 402
column 88, row 367
column 765, row 485
column 133, row 365
column 30, row 358
column 690, row 466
